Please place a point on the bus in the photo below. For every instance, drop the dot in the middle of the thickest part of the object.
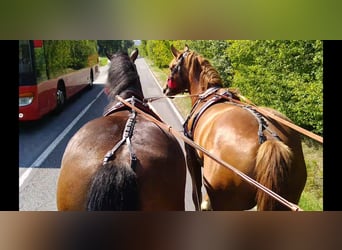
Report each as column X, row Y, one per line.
column 51, row 72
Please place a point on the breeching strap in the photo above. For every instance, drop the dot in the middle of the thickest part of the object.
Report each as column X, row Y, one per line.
column 169, row 128
column 277, row 118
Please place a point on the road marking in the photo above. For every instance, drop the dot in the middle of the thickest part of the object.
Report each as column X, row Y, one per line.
column 52, row 146
column 168, row 99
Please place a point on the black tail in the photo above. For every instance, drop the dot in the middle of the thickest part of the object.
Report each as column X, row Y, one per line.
column 113, row 188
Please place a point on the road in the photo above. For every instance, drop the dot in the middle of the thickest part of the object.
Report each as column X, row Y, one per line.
column 42, row 143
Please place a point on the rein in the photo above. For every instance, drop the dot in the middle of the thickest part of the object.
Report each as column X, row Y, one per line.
column 155, row 98
column 169, row 128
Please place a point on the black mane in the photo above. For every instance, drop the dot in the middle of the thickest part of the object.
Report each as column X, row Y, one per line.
column 122, row 76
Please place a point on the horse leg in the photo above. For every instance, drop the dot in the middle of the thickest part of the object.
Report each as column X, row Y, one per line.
column 194, row 167
column 206, row 205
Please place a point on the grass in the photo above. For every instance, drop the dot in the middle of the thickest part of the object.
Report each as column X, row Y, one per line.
column 103, row 61
column 312, row 196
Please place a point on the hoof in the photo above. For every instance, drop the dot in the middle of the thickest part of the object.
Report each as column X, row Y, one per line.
column 205, row 206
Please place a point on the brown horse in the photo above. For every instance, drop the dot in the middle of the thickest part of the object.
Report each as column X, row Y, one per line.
column 258, row 146
column 122, row 161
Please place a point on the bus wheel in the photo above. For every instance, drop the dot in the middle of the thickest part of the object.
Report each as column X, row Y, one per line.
column 60, row 95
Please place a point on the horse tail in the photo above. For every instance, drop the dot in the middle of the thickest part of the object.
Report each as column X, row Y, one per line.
column 273, row 162
column 113, row 188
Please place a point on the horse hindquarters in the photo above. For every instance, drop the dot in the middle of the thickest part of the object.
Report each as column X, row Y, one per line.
column 273, row 163
column 113, row 188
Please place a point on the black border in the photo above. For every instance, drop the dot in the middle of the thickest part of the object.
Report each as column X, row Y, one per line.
column 9, row 185
column 332, row 70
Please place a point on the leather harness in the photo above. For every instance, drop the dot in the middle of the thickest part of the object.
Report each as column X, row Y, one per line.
column 129, row 127
column 215, row 95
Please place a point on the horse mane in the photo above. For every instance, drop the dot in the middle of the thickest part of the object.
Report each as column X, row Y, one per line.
column 209, row 76
column 122, row 75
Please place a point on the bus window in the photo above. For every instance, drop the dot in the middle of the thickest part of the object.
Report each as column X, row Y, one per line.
column 40, row 66
column 26, row 73
column 25, row 57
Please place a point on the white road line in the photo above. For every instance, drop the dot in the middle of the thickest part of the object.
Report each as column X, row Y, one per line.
column 51, row 147
column 168, row 99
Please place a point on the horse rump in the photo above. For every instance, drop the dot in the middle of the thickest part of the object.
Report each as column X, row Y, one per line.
column 113, row 188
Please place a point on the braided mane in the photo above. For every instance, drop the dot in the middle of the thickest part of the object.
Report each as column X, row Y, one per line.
column 209, row 76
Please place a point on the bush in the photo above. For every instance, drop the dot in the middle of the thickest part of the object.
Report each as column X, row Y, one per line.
column 286, row 75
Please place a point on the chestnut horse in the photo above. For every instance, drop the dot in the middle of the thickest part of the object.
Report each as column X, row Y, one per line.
column 260, row 147
column 122, row 161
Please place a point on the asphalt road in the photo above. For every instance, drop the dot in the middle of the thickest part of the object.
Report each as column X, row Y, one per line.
column 42, row 143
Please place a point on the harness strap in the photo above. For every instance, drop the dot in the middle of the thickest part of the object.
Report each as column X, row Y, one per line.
column 137, row 102
column 179, row 62
column 261, row 121
column 126, row 137
column 217, row 98
column 262, row 124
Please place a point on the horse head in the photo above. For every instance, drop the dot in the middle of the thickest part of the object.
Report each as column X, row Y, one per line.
column 123, row 75
column 177, row 81
column 190, row 72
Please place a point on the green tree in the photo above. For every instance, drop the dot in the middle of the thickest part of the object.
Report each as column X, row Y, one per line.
column 113, row 46
column 57, row 54
column 80, row 51
column 215, row 52
column 63, row 56
column 159, row 52
column 142, row 48
column 283, row 74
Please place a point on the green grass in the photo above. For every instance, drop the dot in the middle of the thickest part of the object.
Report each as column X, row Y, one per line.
column 312, row 196
column 103, row 61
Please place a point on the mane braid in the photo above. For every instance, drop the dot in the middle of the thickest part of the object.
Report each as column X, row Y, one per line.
column 209, row 76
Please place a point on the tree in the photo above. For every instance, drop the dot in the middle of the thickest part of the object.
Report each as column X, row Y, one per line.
column 283, row 74
column 112, row 46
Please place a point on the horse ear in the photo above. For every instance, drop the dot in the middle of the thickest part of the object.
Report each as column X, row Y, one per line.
column 134, row 54
column 186, row 48
column 109, row 56
column 174, row 51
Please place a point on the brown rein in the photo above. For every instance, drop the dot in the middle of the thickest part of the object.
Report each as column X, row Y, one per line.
column 169, row 128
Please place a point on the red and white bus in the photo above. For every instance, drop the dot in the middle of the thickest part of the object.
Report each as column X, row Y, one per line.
column 52, row 71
